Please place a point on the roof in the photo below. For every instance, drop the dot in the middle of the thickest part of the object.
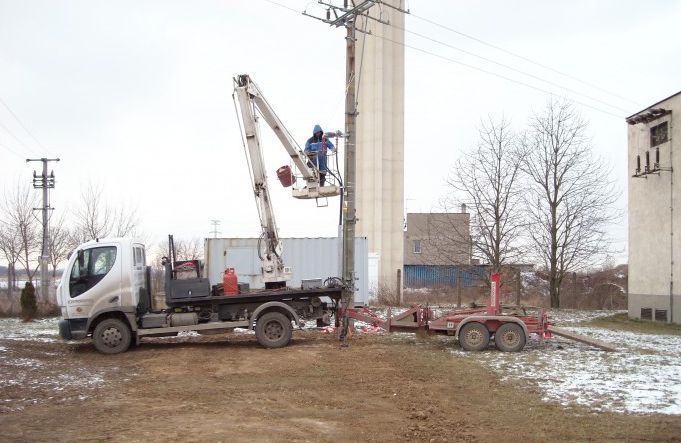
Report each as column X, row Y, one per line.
column 653, row 105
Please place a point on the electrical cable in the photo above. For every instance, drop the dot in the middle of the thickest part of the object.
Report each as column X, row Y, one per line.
column 501, row 64
column 500, row 76
column 514, row 69
column 24, row 127
column 17, row 139
column 12, row 151
column 525, row 59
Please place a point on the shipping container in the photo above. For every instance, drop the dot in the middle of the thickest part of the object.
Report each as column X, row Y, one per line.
column 309, row 258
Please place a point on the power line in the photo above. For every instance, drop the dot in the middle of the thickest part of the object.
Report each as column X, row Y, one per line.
column 514, row 69
column 283, row 6
column 17, row 139
column 11, row 150
column 23, row 126
column 505, row 66
column 499, row 75
column 528, row 60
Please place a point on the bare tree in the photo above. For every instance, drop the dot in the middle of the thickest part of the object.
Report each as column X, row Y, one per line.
column 570, row 199
column 21, row 231
column 59, row 242
column 488, row 176
column 95, row 218
column 191, row 249
column 10, row 248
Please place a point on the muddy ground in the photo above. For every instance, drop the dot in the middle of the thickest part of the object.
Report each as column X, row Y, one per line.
column 226, row 388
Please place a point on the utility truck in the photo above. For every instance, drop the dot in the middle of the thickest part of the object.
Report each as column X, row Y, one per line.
column 105, row 291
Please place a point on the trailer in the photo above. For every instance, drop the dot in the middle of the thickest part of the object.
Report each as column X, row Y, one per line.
column 474, row 328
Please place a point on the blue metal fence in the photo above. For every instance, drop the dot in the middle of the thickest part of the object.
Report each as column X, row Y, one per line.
column 419, row 276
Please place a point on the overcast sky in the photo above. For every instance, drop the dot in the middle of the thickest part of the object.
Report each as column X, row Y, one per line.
column 136, row 96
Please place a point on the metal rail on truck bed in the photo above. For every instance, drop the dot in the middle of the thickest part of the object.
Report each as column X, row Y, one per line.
column 253, row 296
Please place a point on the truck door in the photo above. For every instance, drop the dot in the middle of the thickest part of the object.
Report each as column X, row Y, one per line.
column 94, row 280
column 139, row 270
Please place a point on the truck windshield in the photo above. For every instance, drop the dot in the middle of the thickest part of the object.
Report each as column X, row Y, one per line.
column 95, row 264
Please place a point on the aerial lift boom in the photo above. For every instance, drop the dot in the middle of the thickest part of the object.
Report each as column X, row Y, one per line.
column 251, row 98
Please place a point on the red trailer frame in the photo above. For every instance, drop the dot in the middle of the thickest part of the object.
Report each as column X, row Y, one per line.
column 509, row 326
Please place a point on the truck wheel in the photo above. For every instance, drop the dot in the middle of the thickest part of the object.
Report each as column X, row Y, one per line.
column 510, row 337
column 273, row 330
column 112, row 336
column 474, row 336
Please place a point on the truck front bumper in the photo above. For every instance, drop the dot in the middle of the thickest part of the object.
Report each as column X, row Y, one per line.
column 74, row 329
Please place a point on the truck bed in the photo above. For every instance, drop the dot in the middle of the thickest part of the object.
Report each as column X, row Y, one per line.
column 257, row 296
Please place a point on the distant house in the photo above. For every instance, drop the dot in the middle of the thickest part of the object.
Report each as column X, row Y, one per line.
column 438, row 239
column 655, row 212
column 438, row 250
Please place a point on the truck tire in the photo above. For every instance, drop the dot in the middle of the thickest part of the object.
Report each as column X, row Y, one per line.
column 273, row 330
column 112, row 336
column 474, row 336
column 510, row 337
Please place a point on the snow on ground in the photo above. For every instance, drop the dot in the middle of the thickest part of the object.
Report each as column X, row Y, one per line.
column 44, row 330
column 644, row 376
column 63, row 379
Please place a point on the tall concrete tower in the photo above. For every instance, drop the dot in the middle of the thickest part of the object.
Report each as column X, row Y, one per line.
column 380, row 139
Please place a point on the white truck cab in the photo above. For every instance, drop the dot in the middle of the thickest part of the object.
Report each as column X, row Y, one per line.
column 102, row 276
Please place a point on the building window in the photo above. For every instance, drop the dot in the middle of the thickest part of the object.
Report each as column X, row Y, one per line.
column 660, row 315
column 659, row 134
column 646, row 313
column 417, row 246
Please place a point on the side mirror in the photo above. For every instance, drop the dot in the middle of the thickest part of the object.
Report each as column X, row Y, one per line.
column 82, row 267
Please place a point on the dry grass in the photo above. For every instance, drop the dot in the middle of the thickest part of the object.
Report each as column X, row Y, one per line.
column 622, row 322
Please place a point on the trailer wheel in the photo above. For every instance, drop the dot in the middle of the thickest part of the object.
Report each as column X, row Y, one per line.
column 510, row 337
column 112, row 336
column 273, row 330
column 474, row 336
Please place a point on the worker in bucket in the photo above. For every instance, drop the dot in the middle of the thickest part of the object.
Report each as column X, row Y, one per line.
column 316, row 148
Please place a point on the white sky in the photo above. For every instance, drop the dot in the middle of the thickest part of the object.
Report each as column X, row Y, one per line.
column 136, row 95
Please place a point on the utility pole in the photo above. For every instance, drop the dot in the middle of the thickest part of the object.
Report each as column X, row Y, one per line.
column 348, row 16
column 215, row 232
column 45, row 183
column 344, row 16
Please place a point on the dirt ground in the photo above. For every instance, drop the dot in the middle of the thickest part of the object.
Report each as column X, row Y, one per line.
column 226, row 388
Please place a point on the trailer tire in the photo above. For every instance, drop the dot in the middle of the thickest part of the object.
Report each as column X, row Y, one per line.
column 273, row 330
column 474, row 336
column 510, row 337
column 112, row 336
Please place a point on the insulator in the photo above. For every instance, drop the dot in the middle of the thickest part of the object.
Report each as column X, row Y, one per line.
column 647, row 161
column 638, row 164
column 657, row 155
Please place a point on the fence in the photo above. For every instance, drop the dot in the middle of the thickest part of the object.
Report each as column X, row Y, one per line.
column 418, row 276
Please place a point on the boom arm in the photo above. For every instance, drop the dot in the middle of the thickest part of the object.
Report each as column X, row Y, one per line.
column 248, row 91
column 275, row 274
column 252, row 97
